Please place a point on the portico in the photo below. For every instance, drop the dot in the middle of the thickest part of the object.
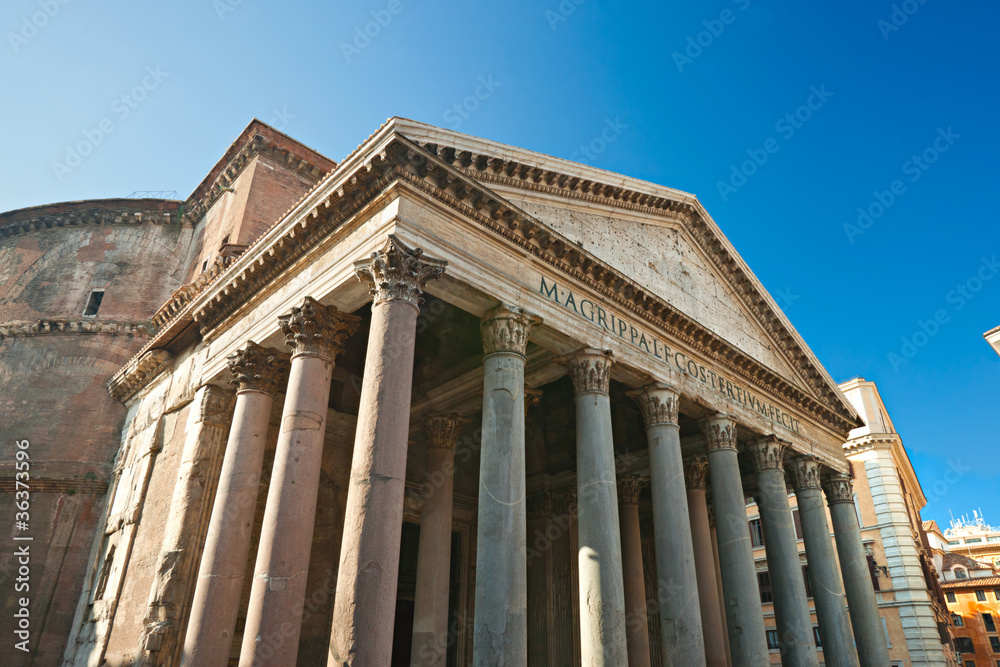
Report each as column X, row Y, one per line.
column 522, row 409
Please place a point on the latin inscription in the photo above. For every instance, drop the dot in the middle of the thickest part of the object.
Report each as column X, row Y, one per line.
column 655, row 348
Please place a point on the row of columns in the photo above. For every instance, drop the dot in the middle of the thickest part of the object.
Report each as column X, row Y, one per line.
column 687, row 600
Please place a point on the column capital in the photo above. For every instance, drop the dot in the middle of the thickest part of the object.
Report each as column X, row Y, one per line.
column 590, row 370
column 658, row 403
column 442, row 430
column 216, row 405
column 805, row 473
column 531, row 397
column 629, row 488
column 318, row 330
column 506, row 329
column 538, row 505
column 696, row 471
column 398, row 272
column 767, row 453
column 719, row 431
column 257, row 368
column 839, row 489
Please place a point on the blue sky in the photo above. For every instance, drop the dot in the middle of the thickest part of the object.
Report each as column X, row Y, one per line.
column 893, row 110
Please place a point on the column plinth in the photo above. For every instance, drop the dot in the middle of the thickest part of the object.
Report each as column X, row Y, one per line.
column 791, row 609
column 636, row 624
column 501, row 621
column 317, row 334
column 365, row 604
column 256, row 373
column 602, row 595
column 869, row 636
column 744, row 617
column 430, row 607
column 827, row 588
column 696, row 478
column 677, row 590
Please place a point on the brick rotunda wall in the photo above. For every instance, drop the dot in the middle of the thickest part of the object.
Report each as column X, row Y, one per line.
column 54, row 365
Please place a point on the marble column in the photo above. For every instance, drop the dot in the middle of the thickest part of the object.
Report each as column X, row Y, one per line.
column 677, row 600
column 256, row 372
column 744, row 616
column 430, row 606
column 827, row 588
column 636, row 625
column 365, row 604
column 869, row 636
column 501, row 611
column 316, row 334
column 791, row 608
column 599, row 555
column 695, row 476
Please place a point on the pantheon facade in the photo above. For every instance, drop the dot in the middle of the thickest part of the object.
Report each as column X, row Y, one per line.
column 445, row 402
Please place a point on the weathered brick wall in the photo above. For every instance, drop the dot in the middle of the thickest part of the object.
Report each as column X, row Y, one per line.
column 54, row 376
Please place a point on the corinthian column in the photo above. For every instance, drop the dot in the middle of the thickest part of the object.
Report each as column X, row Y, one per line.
column 365, row 605
column 695, row 476
column 602, row 596
column 744, row 616
column 316, row 334
column 256, row 371
column 430, row 607
column 677, row 590
column 501, row 623
column 868, row 634
column 636, row 624
column 828, row 591
column 791, row 609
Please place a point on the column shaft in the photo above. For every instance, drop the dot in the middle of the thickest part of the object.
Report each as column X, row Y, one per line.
column 677, row 589
column 704, row 555
column 868, row 633
column 791, row 609
column 636, row 625
column 602, row 595
column 827, row 588
column 216, row 603
column 316, row 333
column 430, row 607
column 501, row 612
column 744, row 617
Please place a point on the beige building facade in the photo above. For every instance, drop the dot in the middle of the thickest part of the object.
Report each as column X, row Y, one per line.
column 466, row 404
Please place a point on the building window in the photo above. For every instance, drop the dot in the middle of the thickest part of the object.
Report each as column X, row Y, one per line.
column 951, row 596
column 980, row 595
column 798, row 524
column 819, row 643
column 973, row 540
column 960, row 573
column 954, row 543
column 964, row 645
column 991, row 626
column 873, row 571
column 970, row 663
column 995, row 538
column 957, row 621
column 995, row 644
column 805, row 578
column 756, row 533
column 764, row 584
column 996, row 594
column 772, row 640
column 93, row 303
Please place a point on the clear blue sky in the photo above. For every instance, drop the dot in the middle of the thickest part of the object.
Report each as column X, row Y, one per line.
column 559, row 72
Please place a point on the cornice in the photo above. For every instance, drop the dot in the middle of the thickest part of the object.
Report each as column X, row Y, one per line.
column 78, row 325
column 137, row 374
column 871, row 441
column 503, row 172
column 91, row 213
column 395, row 159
